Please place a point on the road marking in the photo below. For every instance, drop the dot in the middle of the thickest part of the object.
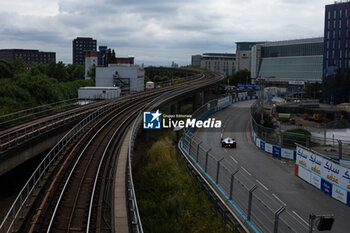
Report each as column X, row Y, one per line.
column 279, row 199
column 225, row 150
column 300, row 217
column 262, row 185
column 234, row 160
column 246, row 171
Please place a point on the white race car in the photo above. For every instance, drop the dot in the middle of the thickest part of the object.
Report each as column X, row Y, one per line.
column 228, row 143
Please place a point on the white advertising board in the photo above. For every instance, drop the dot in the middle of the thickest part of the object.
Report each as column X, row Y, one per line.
column 287, row 154
column 268, row 148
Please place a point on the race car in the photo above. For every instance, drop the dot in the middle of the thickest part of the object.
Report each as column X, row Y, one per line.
column 228, row 143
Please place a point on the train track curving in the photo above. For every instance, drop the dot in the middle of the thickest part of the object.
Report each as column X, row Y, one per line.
column 75, row 195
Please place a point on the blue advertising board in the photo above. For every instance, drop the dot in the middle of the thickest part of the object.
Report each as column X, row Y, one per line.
column 276, row 151
column 248, row 86
column 262, row 145
column 326, row 187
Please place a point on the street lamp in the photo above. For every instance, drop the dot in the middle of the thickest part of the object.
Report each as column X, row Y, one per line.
column 324, row 222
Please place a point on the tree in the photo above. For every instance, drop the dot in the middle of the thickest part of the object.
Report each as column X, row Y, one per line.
column 75, row 71
column 241, row 76
column 111, row 57
column 19, row 66
column 5, row 69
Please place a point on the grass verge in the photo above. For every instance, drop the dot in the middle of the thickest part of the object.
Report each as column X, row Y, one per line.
column 168, row 198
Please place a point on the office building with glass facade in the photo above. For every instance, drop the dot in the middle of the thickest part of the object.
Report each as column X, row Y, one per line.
column 336, row 39
column 290, row 60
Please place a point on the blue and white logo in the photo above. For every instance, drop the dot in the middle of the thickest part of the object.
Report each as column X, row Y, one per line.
column 151, row 120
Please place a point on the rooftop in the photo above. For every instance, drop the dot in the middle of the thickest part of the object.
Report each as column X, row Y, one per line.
column 295, row 41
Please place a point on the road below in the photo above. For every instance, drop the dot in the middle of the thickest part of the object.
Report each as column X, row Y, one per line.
column 276, row 177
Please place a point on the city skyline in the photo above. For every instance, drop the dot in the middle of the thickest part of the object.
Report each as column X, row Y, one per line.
column 156, row 32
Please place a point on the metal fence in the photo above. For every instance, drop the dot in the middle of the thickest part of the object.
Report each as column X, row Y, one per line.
column 319, row 140
column 259, row 209
column 42, row 110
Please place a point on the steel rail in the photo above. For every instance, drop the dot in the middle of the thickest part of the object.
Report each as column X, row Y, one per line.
column 78, row 160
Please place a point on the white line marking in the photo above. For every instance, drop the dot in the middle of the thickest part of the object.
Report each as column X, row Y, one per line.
column 262, row 185
column 234, row 160
column 300, row 217
column 279, row 199
column 225, row 150
column 246, row 171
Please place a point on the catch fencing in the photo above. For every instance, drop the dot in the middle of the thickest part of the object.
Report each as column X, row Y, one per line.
column 319, row 140
column 259, row 210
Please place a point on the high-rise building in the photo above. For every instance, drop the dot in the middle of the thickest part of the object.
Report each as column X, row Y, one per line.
column 243, row 54
column 28, row 55
column 336, row 39
column 80, row 46
column 102, row 55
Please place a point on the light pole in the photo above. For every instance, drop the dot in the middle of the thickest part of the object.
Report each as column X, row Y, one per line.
column 324, row 222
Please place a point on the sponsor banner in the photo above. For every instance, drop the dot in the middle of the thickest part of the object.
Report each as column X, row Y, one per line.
column 224, row 102
column 248, row 86
column 304, row 174
column 330, row 171
column 262, row 145
column 326, row 187
column 316, row 163
column 268, row 148
column 316, row 180
column 302, row 157
column 276, row 151
column 339, row 194
column 287, row 153
column 257, row 142
column 296, row 83
column 344, row 178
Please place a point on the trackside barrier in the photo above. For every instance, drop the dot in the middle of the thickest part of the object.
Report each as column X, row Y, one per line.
column 276, row 151
column 321, row 139
column 324, row 174
column 258, row 210
column 42, row 110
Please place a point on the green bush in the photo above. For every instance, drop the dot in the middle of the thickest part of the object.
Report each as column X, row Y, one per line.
column 300, row 136
column 168, row 198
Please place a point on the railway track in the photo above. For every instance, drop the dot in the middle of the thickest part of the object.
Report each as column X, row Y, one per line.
column 75, row 196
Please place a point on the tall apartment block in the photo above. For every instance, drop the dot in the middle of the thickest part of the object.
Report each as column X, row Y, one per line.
column 336, row 39
column 80, row 46
column 28, row 55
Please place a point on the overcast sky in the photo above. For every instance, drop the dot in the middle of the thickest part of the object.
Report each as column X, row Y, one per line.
column 156, row 32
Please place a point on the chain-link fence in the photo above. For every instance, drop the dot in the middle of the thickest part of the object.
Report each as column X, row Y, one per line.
column 321, row 140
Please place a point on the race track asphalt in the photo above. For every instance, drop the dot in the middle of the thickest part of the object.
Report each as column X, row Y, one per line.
column 276, row 177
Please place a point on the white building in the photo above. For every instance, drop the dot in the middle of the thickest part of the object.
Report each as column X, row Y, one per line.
column 219, row 62
column 91, row 59
column 129, row 78
column 98, row 93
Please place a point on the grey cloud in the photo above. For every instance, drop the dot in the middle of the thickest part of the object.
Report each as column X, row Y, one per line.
column 157, row 31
